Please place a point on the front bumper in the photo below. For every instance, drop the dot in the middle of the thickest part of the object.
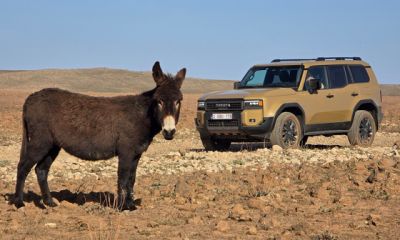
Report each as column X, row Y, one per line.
column 239, row 132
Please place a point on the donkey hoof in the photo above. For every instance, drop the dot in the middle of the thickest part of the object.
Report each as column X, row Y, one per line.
column 128, row 205
column 50, row 203
column 19, row 204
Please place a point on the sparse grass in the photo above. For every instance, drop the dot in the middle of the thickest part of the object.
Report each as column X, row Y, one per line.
column 108, row 230
column 4, row 163
column 238, row 162
column 170, row 221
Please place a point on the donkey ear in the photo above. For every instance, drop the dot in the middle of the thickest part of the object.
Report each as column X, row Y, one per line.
column 158, row 74
column 180, row 76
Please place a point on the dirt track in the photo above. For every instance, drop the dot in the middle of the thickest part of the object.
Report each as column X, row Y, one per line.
column 327, row 191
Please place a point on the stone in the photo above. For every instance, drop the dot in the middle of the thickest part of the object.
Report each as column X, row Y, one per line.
column 50, row 225
column 182, row 188
column 256, row 204
column 252, row 230
column 68, row 205
column 180, row 200
column 195, row 221
column 223, row 226
column 277, row 148
column 238, row 209
column 396, row 144
column 265, row 223
column 239, row 213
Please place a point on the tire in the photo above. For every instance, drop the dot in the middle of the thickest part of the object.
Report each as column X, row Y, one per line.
column 363, row 129
column 287, row 131
column 211, row 144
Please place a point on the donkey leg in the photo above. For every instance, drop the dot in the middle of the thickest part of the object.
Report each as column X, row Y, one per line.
column 42, row 171
column 24, row 167
column 126, row 164
column 27, row 161
column 131, row 181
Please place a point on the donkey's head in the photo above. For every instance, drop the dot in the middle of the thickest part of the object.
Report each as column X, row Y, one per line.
column 168, row 97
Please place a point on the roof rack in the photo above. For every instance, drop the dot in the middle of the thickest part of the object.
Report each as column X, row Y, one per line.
column 338, row 58
column 316, row 59
column 293, row 59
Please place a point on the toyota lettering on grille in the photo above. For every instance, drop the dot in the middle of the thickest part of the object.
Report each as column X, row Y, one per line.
column 222, row 105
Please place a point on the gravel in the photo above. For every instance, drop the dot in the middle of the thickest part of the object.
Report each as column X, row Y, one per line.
column 185, row 154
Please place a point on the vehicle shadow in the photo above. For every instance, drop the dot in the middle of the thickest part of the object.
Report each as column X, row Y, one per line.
column 106, row 199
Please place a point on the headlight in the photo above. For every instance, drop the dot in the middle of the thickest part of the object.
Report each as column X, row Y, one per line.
column 201, row 105
column 253, row 103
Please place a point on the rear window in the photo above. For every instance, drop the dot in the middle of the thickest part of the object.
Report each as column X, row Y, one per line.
column 359, row 74
column 337, row 76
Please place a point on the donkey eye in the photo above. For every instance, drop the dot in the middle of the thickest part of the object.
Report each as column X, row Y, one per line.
column 160, row 104
column 177, row 104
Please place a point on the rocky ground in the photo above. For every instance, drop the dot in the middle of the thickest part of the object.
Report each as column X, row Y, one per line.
column 328, row 190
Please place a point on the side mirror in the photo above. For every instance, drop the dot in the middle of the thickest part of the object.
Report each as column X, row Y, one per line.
column 314, row 85
column 236, row 85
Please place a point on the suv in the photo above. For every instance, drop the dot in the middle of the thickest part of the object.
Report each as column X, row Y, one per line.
column 288, row 100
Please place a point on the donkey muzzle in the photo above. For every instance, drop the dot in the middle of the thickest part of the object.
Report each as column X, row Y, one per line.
column 168, row 134
column 168, row 129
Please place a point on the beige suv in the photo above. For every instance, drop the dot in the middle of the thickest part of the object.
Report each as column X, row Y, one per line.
column 288, row 100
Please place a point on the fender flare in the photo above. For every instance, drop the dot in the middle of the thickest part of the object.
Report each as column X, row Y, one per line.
column 290, row 105
column 366, row 101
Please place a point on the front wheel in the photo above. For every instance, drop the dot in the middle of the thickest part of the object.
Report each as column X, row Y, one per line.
column 212, row 144
column 287, row 131
column 363, row 129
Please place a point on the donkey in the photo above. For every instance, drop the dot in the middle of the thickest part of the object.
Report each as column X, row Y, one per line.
column 96, row 128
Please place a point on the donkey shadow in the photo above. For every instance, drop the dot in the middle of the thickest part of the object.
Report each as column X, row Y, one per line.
column 105, row 199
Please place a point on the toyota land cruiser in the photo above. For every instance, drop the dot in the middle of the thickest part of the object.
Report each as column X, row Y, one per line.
column 288, row 100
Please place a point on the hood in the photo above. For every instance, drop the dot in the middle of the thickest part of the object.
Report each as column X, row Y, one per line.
column 249, row 93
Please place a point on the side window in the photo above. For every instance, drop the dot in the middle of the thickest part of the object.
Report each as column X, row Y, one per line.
column 317, row 72
column 359, row 74
column 337, row 76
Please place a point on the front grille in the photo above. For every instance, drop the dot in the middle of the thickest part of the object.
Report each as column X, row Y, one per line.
column 223, row 123
column 224, row 105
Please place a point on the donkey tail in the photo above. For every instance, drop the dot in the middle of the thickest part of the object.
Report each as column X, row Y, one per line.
column 24, row 138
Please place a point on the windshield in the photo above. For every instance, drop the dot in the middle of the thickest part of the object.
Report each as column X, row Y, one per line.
column 269, row 77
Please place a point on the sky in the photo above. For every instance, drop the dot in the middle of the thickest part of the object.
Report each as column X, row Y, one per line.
column 216, row 39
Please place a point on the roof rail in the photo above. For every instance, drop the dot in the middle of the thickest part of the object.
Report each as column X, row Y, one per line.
column 338, row 58
column 316, row 59
column 293, row 59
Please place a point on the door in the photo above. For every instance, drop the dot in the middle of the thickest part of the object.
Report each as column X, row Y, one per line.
column 317, row 106
column 340, row 94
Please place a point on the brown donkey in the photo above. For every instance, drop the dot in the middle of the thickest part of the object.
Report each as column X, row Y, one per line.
column 94, row 128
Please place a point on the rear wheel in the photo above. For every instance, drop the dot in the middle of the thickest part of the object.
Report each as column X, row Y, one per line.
column 287, row 132
column 212, row 144
column 363, row 129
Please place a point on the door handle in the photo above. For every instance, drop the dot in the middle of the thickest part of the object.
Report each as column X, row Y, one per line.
column 354, row 94
column 330, row 95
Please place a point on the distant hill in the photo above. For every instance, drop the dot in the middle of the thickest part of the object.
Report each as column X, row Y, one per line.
column 113, row 81
column 97, row 80
column 390, row 89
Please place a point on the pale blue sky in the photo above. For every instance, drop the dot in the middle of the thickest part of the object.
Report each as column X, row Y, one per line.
column 217, row 39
